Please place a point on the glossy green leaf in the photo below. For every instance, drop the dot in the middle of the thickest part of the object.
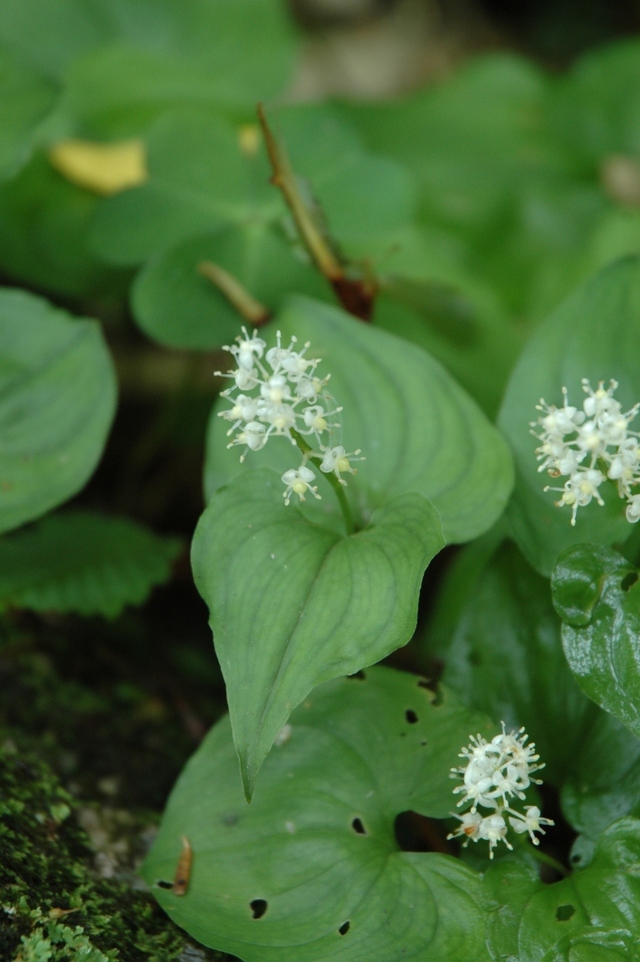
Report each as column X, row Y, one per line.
column 505, row 658
column 324, row 605
column 418, row 429
column 174, row 304
column 507, row 886
column 594, row 914
column 82, row 562
column 57, row 400
column 315, row 852
column 596, row 593
column 595, row 334
column 603, row 783
column 24, row 100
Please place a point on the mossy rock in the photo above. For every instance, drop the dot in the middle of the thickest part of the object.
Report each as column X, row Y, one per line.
column 53, row 905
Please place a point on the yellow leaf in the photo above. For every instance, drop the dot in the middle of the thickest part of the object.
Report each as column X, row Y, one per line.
column 101, row 168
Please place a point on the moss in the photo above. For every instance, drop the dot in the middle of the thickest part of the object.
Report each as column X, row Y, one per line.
column 95, row 710
column 53, row 905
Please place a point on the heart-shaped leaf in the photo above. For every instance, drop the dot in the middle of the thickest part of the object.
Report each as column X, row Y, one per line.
column 311, row 870
column 417, row 428
column 294, row 604
column 83, row 562
column 594, row 334
column 57, row 400
column 596, row 593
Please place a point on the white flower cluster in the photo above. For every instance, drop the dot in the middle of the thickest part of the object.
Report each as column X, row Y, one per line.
column 589, row 446
column 495, row 772
column 281, row 397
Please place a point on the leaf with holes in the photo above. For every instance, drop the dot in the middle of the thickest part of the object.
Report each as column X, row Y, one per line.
column 322, row 604
column 311, row 870
column 594, row 334
column 418, row 429
column 57, row 399
column 595, row 914
column 592, row 916
column 82, row 562
column 505, row 658
column 596, row 594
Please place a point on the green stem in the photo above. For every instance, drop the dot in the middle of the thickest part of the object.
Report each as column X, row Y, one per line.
column 548, row 860
column 307, row 451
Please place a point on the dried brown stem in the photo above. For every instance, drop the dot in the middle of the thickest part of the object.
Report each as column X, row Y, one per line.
column 356, row 296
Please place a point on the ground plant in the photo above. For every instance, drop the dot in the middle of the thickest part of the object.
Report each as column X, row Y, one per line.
column 419, row 327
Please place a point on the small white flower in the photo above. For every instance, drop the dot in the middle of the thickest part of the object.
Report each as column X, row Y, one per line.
column 336, row 460
column 529, row 822
column 469, row 827
column 276, row 389
column 253, row 436
column 580, row 489
column 244, row 409
column 600, row 401
column 298, row 481
column 493, row 829
column 247, row 349
column 308, row 389
column 633, row 509
column 624, row 466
